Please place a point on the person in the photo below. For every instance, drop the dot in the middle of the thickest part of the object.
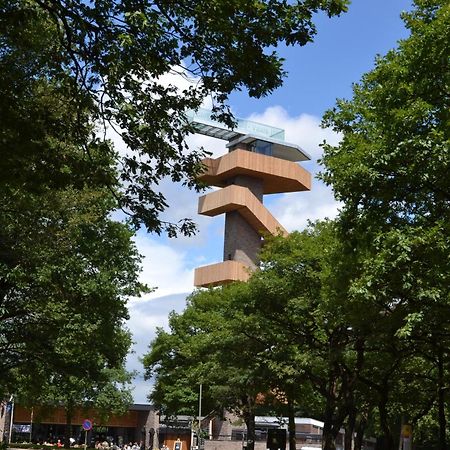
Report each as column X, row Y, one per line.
column 59, row 443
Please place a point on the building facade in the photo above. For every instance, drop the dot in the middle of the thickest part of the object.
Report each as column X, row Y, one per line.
column 44, row 424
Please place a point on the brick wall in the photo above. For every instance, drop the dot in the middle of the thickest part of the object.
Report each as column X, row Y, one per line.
column 242, row 243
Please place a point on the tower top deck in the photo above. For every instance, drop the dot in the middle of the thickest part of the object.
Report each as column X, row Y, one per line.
column 247, row 132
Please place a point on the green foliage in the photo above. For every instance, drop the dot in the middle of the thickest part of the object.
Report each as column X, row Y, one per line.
column 110, row 58
column 394, row 156
column 390, row 170
column 66, row 268
column 207, row 344
column 64, row 297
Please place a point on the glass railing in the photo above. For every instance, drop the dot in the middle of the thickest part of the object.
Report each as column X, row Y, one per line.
column 203, row 116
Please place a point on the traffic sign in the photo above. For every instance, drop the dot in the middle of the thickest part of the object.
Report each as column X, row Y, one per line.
column 87, row 424
column 406, row 431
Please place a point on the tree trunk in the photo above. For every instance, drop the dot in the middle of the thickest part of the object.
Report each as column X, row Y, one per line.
column 360, row 427
column 68, row 430
column 349, row 430
column 291, row 426
column 327, row 434
column 249, row 418
column 441, row 401
column 250, row 423
column 387, row 441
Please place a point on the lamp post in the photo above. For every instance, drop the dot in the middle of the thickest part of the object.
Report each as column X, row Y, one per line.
column 31, row 424
column 200, row 408
column 11, row 417
column 199, row 416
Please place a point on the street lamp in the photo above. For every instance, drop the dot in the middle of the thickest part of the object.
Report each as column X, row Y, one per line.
column 11, row 417
column 200, row 411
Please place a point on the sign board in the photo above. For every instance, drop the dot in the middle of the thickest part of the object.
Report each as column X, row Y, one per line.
column 406, row 437
column 87, row 424
column 406, row 431
column 276, row 439
column 18, row 428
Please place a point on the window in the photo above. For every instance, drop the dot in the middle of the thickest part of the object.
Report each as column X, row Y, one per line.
column 264, row 148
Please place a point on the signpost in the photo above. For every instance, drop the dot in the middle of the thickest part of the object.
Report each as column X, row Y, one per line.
column 11, row 417
column 87, row 425
column 276, row 439
column 406, row 437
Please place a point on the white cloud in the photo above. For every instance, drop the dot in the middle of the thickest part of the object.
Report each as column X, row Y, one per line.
column 164, row 267
column 141, row 390
column 293, row 210
column 145, row 316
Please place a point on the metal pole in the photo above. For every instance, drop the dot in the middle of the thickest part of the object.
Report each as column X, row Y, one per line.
column 31, row 424
column 85, row 439
column 199, row 415
column 200, row 408
column 11, row 418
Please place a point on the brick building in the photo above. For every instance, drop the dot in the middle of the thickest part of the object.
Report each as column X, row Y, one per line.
column 140, row 424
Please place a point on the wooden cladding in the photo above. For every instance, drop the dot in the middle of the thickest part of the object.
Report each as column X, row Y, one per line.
column 278, row 175
column 232, row 198
column 58, row 416
column 244, row 177
column 221, row 273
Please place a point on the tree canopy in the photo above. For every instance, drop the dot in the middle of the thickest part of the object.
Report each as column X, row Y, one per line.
column 110, row 58
column 66, row 267
column 211, row 344
column 390, row 170
column 69, row 71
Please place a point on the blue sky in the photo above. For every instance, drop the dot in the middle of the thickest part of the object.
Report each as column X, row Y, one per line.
column 343, row 50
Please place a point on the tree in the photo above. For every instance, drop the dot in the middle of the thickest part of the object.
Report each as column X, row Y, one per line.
column 214, row 342
column 64, row 291
column 110, row 58
column 66, row 268
column 390, row 171
column 64, row 299
column 299, row 299
column 276, row 337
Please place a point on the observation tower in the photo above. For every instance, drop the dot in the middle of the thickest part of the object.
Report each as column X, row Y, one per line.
column 258, row 162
